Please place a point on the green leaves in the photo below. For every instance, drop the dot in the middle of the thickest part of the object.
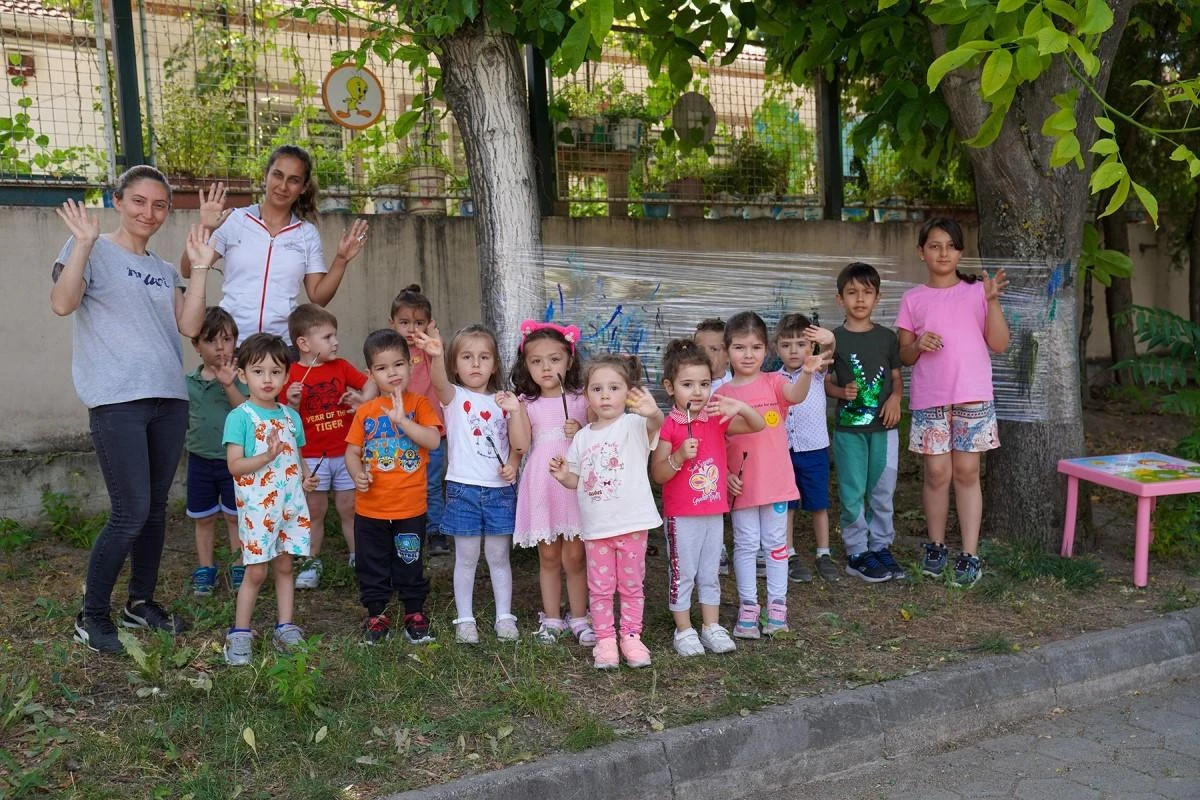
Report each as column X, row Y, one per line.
column 996, row 72
column 1103, row 264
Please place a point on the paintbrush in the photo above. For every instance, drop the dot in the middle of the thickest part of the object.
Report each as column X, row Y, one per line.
column 319, row 462
column 562, row 385
column 303, row 377
column 688, row 407
column 745, row 456
column 495, row 450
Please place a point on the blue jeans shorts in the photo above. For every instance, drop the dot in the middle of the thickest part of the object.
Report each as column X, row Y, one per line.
column 811, row 468
column 479, row 510
column 209, row 487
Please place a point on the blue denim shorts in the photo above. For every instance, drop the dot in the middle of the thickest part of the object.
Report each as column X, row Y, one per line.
column 209, row 487
column 811, row 468
column 479, row 510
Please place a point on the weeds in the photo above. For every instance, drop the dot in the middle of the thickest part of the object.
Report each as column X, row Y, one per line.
column 588, row 731
column 1176, row 531
column 14, row 535
column 66, row 520
column 292, row 679
column 1011, row 565
column 1180, row 599
column 996, row 643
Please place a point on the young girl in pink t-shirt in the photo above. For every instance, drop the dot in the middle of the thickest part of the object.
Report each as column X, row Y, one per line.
column 760, row 469
column 690, row 461
column 947, row 327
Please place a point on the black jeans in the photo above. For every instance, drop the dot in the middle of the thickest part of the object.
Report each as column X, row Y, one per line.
column 387, row 558
column 138, row 444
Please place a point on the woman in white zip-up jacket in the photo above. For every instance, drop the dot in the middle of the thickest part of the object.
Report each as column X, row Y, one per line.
column 272, row 250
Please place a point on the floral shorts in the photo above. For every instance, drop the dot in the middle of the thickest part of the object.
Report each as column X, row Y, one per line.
column 965, row 427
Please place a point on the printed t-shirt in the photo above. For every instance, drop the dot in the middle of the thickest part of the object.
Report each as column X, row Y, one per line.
column 239, row 428
column 698, row 488
column 960, row 372
column 867, row 358
column 396, row 462
column 767, row 476
column 208, row 405
column 614, row 484
column 807, row 427
column 325, row 418
column 476, row 439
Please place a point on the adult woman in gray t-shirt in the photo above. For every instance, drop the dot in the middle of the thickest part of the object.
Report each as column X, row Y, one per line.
column 128, row 370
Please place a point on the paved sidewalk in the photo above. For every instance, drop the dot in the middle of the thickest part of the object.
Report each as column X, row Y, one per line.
column 1136, row 747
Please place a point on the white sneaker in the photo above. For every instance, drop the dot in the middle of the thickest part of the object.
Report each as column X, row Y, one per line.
column 717, row 639
column 506, row 628
column 350, row 560
column 465, row 631
column 309, row 575
column 687, row 643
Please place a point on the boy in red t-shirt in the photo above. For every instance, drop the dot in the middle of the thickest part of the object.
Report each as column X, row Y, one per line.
column 325, row 390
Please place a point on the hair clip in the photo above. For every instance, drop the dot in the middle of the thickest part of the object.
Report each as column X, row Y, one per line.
column 568, row 332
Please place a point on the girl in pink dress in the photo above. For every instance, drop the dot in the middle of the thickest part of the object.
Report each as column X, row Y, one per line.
column 547, row 410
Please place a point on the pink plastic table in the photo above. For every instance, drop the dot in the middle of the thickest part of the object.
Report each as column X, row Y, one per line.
column 1146, row 476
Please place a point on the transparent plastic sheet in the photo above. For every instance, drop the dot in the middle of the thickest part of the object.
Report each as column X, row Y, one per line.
column 635, row 301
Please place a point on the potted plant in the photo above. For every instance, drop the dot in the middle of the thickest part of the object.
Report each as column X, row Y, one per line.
column 333, row 183
column 753, row 172
column 888, row 184
column 192, row 138
column 678, row 175
column 626, row 115
column 578, row 117
column 460, row 187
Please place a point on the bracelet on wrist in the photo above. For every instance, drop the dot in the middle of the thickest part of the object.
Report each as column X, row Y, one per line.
column 671, row 462
column 201, row 266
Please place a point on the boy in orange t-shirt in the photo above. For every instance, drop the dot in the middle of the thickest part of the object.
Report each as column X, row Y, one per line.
column 387, row 453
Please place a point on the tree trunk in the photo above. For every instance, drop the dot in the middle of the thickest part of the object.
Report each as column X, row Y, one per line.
column 1119, row 296
column 1085, row 331
column 484, row 85
column 1193, row 248
column 1029, row 212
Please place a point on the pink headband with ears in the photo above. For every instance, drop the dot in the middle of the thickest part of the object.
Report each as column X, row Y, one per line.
column 569, row 332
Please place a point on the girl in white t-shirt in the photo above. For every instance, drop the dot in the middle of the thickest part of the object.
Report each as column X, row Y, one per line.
column 481, row 468
column 606, row 466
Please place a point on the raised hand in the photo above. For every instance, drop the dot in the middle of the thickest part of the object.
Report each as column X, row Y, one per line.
column 226, row 374
column 83, row 226
column 212, row 206
column 430, row 341
column 274, row 444
column 819, row 335
column 396, row 413
column 352, row 240
column 994, row 286
column 814, row 363
column 642, row 403
column 723, row 406
column 508, row 402
column 199, row 251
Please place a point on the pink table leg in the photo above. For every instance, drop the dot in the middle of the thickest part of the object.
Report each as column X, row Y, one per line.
column 1068, row 540
column 1141, row 543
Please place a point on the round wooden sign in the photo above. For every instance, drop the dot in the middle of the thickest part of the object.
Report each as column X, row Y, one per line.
column 353, row 96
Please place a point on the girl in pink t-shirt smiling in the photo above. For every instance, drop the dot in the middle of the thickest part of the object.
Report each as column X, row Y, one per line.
column 760, row 469
column 690, row 461
column 947, row 328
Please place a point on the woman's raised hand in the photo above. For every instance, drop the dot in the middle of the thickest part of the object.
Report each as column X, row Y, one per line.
column 353, row 239
column 212, row 206
column 199, row 251
column 83, row 226
column 993, row 287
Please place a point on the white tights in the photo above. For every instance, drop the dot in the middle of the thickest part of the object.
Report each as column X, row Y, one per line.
column 466, row 559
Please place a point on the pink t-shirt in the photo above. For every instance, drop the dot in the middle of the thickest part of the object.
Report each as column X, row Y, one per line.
column 961, row 372
column 699, row 486
column 767, row 476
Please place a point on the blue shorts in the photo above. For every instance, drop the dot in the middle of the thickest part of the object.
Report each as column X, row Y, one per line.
column 209, row 487
column 811, row 468
column 479, row 510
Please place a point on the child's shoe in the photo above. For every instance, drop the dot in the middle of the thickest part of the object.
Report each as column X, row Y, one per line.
column 747, row 621
column 439, row 544
column 933, row 563
column 308, row 576
column 237, row 574
column 204, row 580
column 550, row 629
column 582, row 628
column 604, row 654
column 776, row 618
column 827, row 569
column 377, row 629
column 866, row 566
column 286, row 637
column 723, row 564
column 967, row 570
column 506, row 628
column 889, row 562
column 797, row 572
column 717, row 639
column 239, row 648
column 416, row 628
column 636, row 654
column 465, row 631
column 687, row 643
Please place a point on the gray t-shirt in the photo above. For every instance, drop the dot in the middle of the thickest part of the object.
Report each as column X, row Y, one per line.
column 125, row 342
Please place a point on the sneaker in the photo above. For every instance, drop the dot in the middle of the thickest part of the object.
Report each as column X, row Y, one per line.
column 506, row 628
column 377, row 629
column 416, row 628
column 438, row 544
column 204, row 580
column 867, row 566
column 747, row 621
column 717, row 639
column 933, row 563
column 149, row 614
column 723, row 564
column 827, row 569
column 797, row 572
column 350, row 561
column 98, row 634
column 967, row 570
column 636, row 654
column 287, row 637
column 776, row 618
column 309, row 574
column 582, row 628
column 465, row 631
column 889, row 561
column 687, row 643
column 237, row 574
column 239, row 648
column 760, row 564
column 550, row 629
column 604, row 654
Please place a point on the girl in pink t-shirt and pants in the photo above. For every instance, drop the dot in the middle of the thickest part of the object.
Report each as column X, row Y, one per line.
column 947, row 328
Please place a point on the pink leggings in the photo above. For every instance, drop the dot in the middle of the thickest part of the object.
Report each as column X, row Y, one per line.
column 617, row 565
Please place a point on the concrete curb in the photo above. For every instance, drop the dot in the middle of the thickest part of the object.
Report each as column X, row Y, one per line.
column 820, row 736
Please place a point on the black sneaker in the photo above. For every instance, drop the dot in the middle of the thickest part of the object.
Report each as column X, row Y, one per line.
column 967, row 570
column 888, row 560
column 377, row 629
column 827, row 569
column 438, row 545
column 867, row 566
column 149, row 614
column 98, row 634
column 933, row 563
column 416, row 628
column 797, row 572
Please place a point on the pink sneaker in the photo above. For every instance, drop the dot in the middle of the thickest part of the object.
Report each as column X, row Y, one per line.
column 605, row 654
column 776, row 618
column 747, row 621
column 636, row 654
